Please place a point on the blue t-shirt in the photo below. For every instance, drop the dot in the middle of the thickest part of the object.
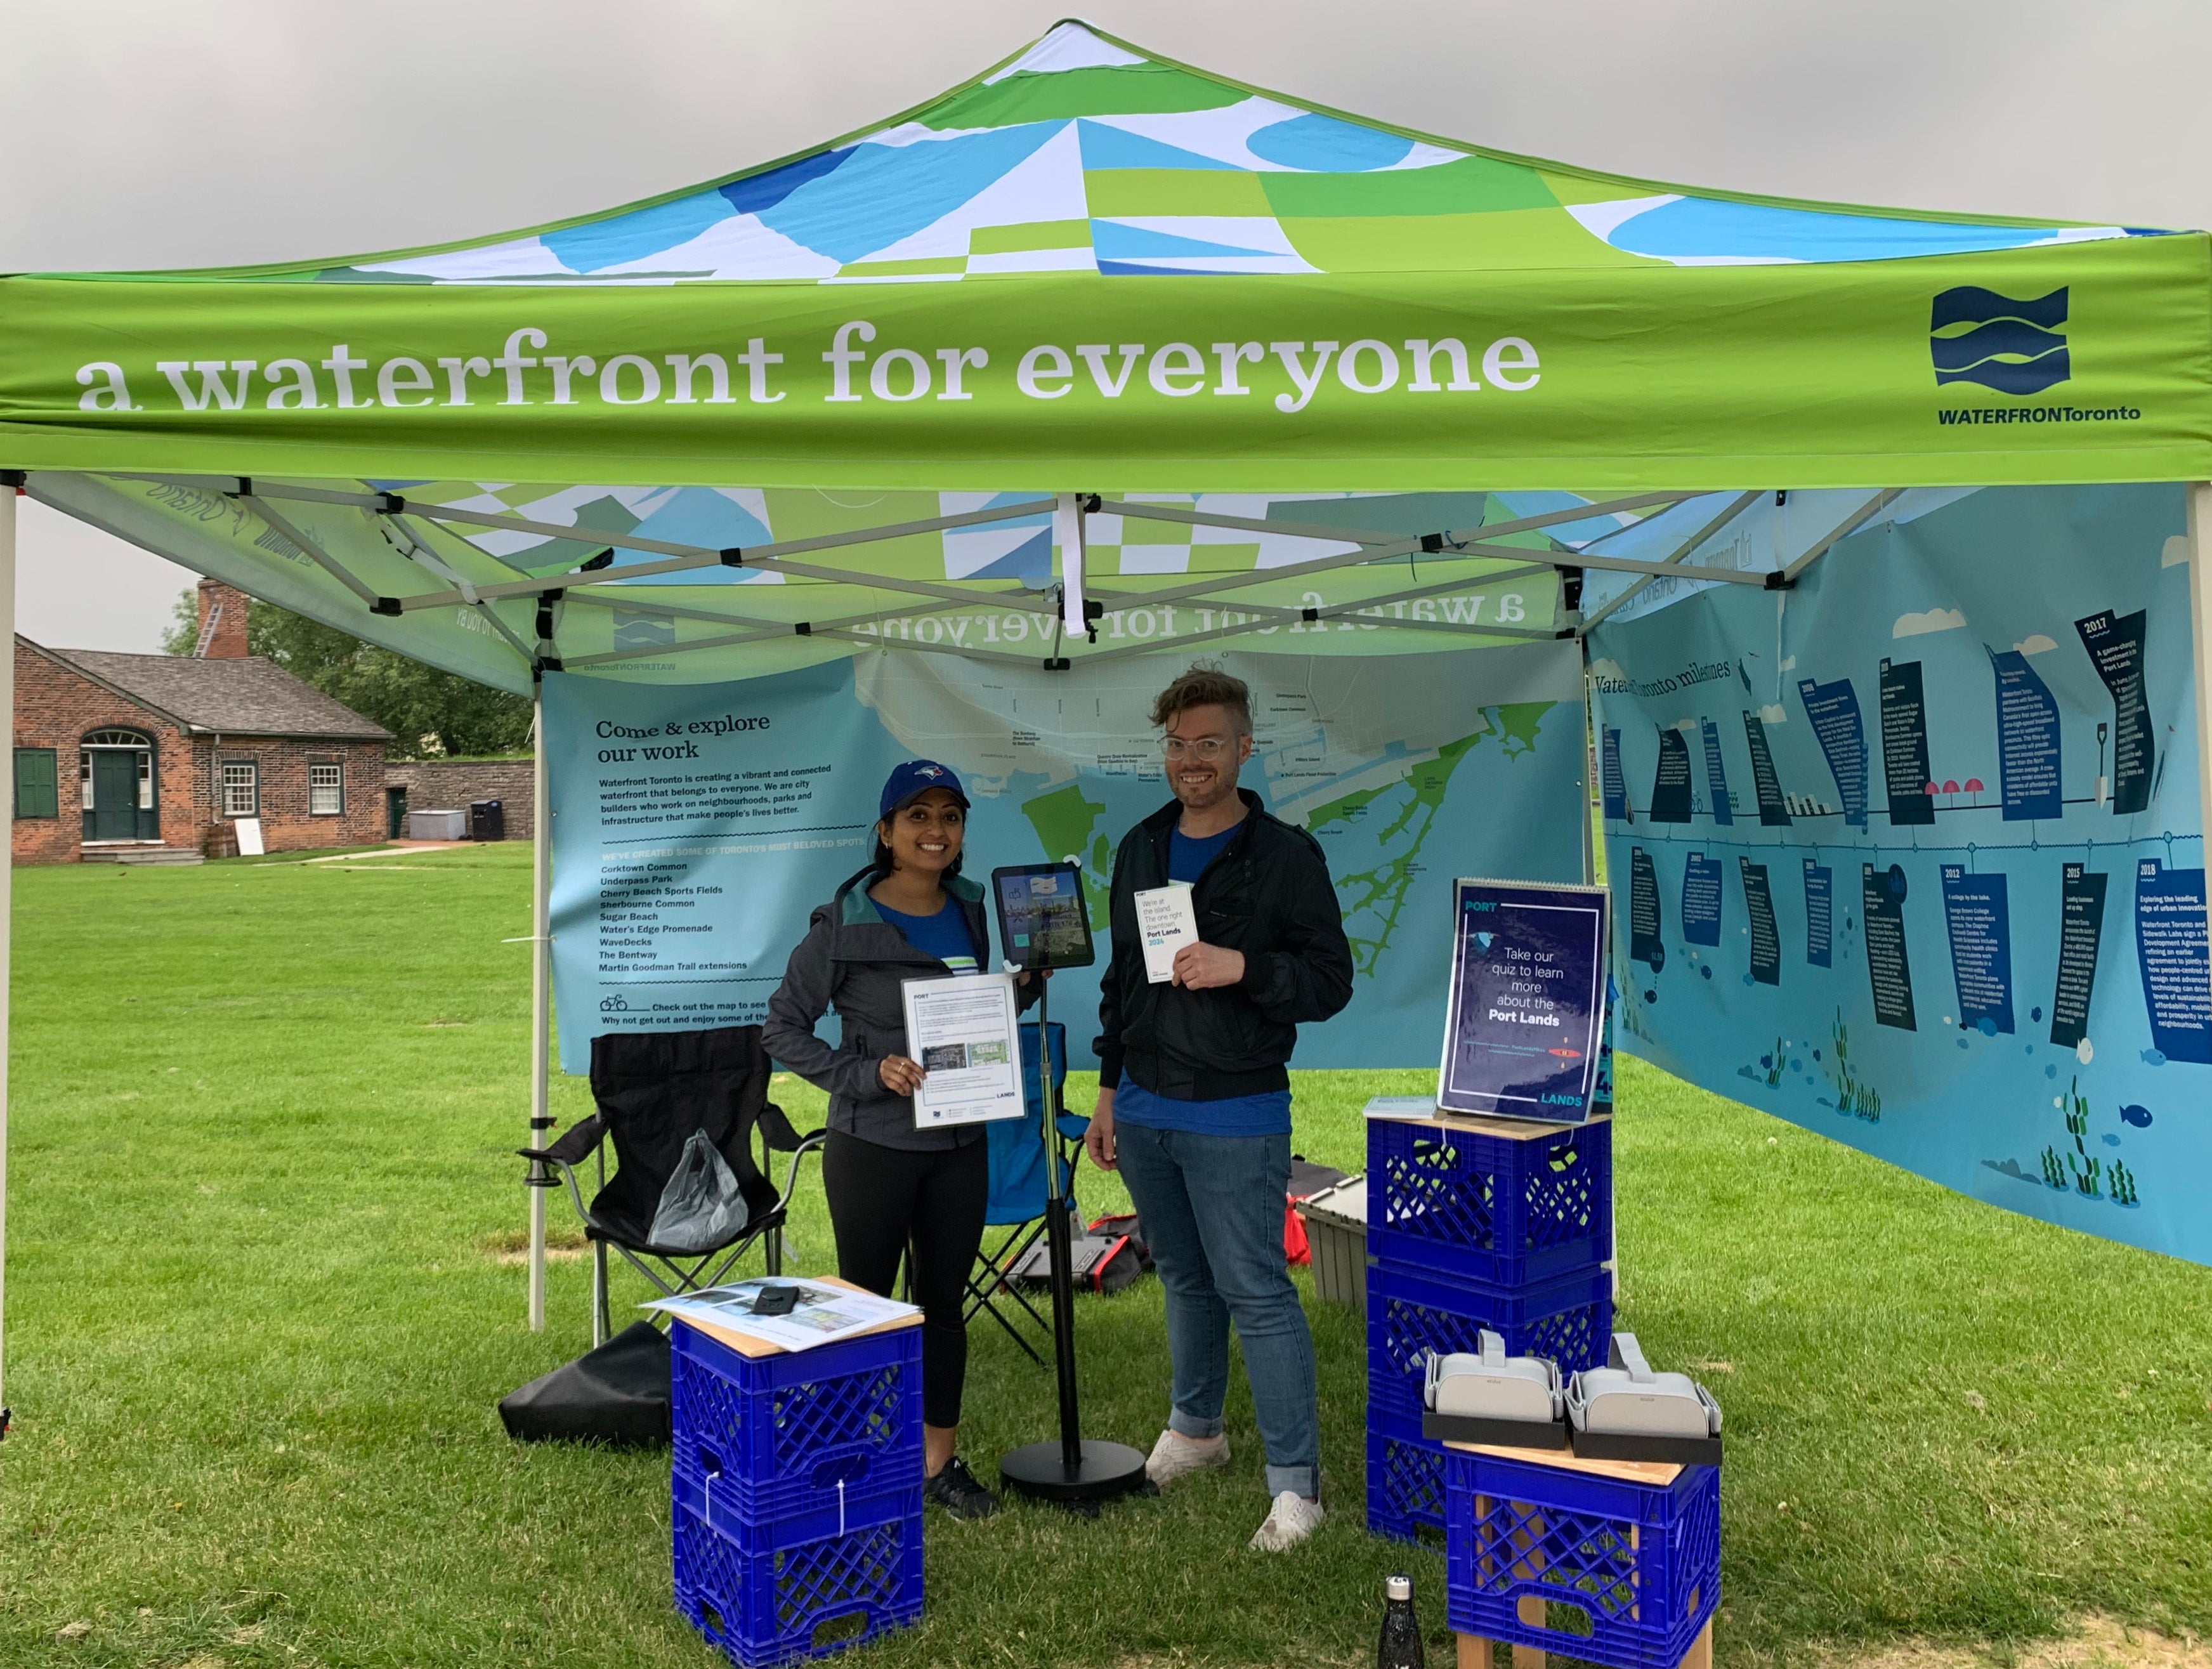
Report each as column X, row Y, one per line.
column 1267, row 1114
column 1187, row 858
column 944, row 936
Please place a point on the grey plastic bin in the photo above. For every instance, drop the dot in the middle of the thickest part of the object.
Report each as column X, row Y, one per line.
column 437, row 825
column 1336, row 1234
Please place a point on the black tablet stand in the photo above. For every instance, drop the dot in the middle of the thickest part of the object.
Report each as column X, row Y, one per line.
column 1074, row 1470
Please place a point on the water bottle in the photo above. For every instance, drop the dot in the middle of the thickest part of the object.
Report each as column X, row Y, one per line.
column 1401, row 1647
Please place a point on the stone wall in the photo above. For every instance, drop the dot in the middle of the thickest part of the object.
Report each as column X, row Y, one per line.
column 452, row 785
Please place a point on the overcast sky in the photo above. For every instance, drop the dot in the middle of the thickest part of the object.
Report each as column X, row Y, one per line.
column 225, row 131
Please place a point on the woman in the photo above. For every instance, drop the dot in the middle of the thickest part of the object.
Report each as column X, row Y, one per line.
column 908, row 915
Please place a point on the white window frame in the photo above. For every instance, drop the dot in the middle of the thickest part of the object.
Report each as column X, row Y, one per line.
column 335, row 787
column 249, row 781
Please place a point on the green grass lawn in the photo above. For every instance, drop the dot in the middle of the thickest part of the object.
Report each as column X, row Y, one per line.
column 261, row 1169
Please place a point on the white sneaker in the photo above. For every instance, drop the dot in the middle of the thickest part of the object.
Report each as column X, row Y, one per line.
column 1177, row 1456
column 1290, row 1521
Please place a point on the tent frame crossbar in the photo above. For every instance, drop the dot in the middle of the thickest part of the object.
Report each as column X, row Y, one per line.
column 1444, row 544
column 1268, row 616
column 420, row 550
column 393, row 510
column 681, row 556
column 1626, row 565
column 1389, row 544
column 766, row 625
column 773, row 557
column 1842, row 531
column 308, row 546
column 847, row 626
column 1675, row 558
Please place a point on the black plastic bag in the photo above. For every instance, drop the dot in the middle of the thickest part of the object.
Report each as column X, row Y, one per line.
column 703, row 1207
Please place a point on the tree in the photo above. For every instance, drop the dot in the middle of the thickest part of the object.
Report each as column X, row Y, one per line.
column 429, row 713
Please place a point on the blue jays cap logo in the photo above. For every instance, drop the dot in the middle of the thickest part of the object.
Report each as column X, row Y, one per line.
column 2014, row 347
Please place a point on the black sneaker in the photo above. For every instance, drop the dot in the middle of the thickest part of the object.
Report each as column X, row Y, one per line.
column 956, row 1490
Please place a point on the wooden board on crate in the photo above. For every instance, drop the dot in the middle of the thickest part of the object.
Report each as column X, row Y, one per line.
column 1478, row 1123
column 746, row 1344
column 1658, row 1473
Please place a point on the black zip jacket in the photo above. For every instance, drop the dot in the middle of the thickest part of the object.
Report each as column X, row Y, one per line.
column 1267, row 894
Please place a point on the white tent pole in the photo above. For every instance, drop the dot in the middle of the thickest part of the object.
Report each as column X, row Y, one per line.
column 541, row 998
column 1067, row 530
column 2200, row 638
column 7, row 885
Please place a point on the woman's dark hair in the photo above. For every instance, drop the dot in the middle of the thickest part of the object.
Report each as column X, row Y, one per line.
column 881, row 863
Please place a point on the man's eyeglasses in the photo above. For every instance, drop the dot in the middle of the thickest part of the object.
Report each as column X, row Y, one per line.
column 1208, row 748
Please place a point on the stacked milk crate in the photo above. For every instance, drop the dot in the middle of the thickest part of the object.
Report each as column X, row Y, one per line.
column 797, row 1491
column 1474, row 1223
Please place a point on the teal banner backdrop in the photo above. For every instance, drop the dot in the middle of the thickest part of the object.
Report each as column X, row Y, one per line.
column 1936, row 884
column 695, row 827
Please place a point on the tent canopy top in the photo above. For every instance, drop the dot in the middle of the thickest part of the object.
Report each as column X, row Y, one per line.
column 1083, row 152
column 1094, row 268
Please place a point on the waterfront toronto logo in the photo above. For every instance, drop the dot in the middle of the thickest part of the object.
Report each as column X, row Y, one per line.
column 2014, row 347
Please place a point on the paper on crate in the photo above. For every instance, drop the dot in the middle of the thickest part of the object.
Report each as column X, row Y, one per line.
column 861, row 1313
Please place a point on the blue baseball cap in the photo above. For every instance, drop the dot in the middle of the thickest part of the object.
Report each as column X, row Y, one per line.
column 915, row 778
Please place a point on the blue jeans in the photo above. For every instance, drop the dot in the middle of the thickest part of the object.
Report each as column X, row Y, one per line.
column 1212, row 1214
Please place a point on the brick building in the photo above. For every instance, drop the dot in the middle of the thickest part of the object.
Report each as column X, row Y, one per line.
column 133, row 755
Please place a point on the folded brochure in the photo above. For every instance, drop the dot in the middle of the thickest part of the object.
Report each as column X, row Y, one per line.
column 1166, row 922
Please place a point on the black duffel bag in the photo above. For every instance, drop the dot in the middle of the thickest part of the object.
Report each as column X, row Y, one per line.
column 616, row 1394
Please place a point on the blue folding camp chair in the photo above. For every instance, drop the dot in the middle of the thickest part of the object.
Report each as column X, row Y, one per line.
column 1017, row 1198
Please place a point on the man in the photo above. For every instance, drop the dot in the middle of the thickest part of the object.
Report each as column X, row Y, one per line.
column 1194, row 1102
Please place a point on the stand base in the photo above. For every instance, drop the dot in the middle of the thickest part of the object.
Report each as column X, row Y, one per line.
column 1108, row 1470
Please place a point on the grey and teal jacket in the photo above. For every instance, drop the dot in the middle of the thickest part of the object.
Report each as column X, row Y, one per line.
column 854, row 962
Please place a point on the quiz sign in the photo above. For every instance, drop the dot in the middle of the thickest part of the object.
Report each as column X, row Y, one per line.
column 1524, row 1032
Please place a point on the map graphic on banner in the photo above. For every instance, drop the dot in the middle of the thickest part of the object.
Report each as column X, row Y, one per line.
column 695, row 828
column 1998, row 973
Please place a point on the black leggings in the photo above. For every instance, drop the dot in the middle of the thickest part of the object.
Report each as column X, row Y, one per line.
column 882, row 1197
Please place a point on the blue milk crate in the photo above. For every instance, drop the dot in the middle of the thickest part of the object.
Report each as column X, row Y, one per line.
column 800, row 1601
column 1594, row 1568
column 778, row 1434
column 1411, row 1313
column 1480, row 1207
column 1405, row 1477
column 837, row 1511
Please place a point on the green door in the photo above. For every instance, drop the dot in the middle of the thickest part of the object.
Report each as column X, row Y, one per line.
column 114, row 813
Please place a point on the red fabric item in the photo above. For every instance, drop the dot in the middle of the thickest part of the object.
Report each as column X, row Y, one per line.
column 1295, row 1248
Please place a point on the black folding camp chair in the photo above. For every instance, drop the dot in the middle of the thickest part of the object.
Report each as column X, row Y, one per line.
column 653, row 1090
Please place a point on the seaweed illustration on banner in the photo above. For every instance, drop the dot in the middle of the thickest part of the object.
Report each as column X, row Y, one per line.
column 1776, row 1064
column 2088, row 1175
column 1854, row 1095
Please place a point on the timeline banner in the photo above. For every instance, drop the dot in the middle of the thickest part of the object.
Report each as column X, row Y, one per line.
column 1971, row 734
